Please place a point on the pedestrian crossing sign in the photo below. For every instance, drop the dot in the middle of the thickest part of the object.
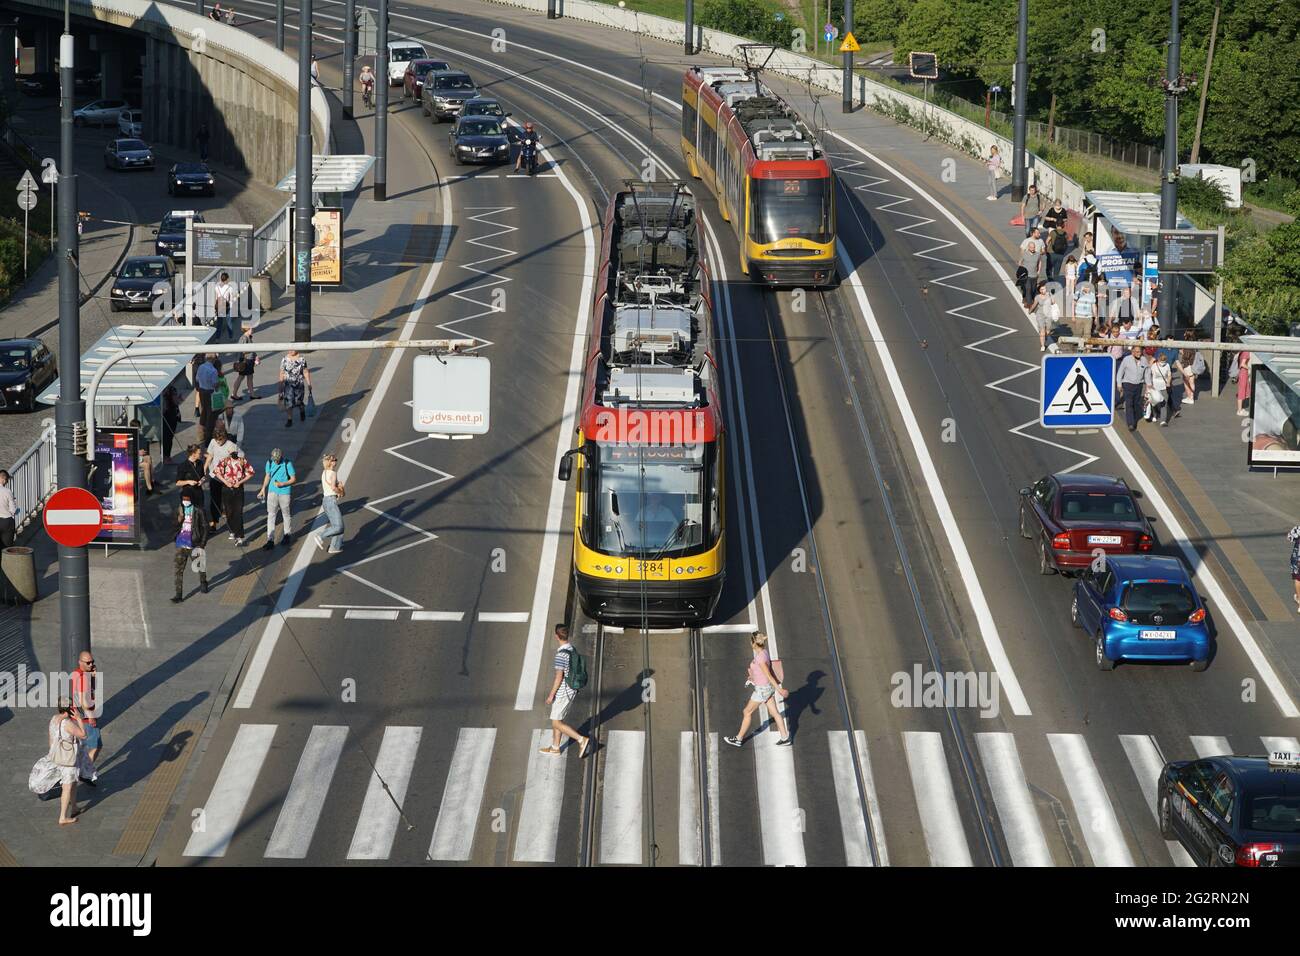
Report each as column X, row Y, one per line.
column 1077, row 391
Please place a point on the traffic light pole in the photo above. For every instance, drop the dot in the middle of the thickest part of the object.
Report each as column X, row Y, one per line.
column 70, row 412
column 1166, row 297
column 846, row 104
column 349, row 54
column 302, row 229
column 1021, row 94
column 381, row 104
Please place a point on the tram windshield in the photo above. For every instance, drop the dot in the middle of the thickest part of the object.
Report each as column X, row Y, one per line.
column 651, row 498
column 790, row 209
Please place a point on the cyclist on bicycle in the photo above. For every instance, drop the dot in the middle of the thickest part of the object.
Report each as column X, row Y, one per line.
column 367, row 79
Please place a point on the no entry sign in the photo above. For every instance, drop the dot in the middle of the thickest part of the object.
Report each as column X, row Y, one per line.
column 73, row 517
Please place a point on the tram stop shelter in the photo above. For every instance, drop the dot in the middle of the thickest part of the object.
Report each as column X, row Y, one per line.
column 1274, row 402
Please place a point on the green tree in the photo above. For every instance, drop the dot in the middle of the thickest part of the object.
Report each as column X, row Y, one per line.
column 1262, row 279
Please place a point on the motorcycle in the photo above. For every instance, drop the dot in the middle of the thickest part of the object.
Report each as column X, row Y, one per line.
column 530, row 156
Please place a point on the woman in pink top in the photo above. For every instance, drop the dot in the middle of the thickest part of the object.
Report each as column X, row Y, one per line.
column 766, row 687
column 1243, row 382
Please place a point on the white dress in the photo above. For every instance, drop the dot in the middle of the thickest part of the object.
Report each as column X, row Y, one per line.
column 46, row 774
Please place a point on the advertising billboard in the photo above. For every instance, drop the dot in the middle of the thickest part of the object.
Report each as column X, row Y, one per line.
column 1274, row 421
column 327, row 245
column 114, row 482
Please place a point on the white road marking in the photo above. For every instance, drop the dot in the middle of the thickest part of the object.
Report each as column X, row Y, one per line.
column 539, row 817
column 780, row 815
column 377, row 823
column 857, row 848
column 688, row 802
column 1284, row 744
column 1207, row 581
column 621, row 792
column 302, row 806
column 1091, row 804
column 1145, row 759
column 462, row 797
column 503, row 617
column 1020, row 823
column 309, row 612
column 229, row 796
column 748, row 627
column 1211, row 746
column 357, row 615
column 261, row 657
column 437, row 615
column 945, row 837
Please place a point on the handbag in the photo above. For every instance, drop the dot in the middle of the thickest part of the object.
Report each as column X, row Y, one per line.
column 311, row 404
column 64, row 753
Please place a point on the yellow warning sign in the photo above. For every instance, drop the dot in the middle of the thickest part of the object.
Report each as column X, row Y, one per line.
column 850, row 44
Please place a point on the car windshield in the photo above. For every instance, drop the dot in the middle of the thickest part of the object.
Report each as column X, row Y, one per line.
column 1158, row 597
column 653, row 489
column 143, row 269
column 191, row 168
column 427, row 66
column 1087, row 506
column 1272, row 813
column 483, row 128
column 175, row 224
column 13, row 359
column 790, row 209
column 486, row 109
column 128, row 145
column 454, row 83
column 401, row 54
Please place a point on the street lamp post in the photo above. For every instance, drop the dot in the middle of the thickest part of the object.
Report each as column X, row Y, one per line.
column 1167, row 298
column 302, row 230
column 1020, row 92
column 381, row 105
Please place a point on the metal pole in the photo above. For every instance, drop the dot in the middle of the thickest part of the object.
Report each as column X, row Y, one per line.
column 846, row 104
column 302, row 230
column 74, row 563
column 1168, row 299
column 689, row 34
column 1205, row 86
column 1218, row 319
column 279, row 24
column 1021, row 94
column 349, row 54
column 381, row 105
column 550, row 10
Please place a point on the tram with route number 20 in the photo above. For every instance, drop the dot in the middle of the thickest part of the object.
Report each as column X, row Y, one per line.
column 772, row 181
column 648, row 542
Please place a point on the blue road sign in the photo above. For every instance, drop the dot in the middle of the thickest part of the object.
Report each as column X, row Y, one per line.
column 1077, row 391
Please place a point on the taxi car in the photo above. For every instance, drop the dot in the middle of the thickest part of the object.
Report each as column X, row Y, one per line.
column 1142, row 607
column 1071, row 516
column 1233, row 811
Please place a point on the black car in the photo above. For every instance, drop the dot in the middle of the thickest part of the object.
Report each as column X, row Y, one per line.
column 191, row 178
column 39, row 84
column 88, row 78
column 478, row 139
column 140, row 282
column 27, row 368
column 1233, row 811
column 171, row 233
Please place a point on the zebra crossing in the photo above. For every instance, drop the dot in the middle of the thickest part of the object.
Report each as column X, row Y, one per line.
column 463, row 814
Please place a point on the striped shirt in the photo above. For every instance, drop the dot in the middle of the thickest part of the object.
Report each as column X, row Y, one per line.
column 563, row 657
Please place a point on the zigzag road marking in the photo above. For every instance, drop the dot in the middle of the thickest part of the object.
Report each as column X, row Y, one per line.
column 483, row 216
column 849, row 166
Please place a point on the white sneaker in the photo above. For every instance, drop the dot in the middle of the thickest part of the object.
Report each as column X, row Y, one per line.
column 1189, row 401
column 991, row 198
column 1242, row 412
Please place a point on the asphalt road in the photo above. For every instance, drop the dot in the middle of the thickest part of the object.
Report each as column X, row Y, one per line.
column 840, row 551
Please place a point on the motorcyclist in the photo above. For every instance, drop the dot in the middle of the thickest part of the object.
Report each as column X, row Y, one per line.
column 530, row 142
column 367, row 79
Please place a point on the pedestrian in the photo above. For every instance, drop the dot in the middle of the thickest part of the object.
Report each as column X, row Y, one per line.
column 1055, row 222
column 234, row 420
column 1243, row 381
column 190, row 473
column 245, row 364
column 332, row 491
column 171, row 419
column 1031, row 209
column 1132, row 381
column 1294, row 537
column 315, row 72
column 295, row 384
column 1193, row 363
column 230, row 16
column 1070, row 278
column 215, row 12
column 1084, row 308
column 82, row 686
column 205, row 381
column 277, row 492
column 570, row 676
column 63, row 763
column 233, row 471
column 8, row 512
column 219, row 449
column 994, row 166
column 145, row 458
column 191, row 539
column 223, row 299
column 1159, row 379
column 221, row 391
column 1046, row 313
column 1176, row 387
column 1031, row 258
column 766, row 688
column 203, row 138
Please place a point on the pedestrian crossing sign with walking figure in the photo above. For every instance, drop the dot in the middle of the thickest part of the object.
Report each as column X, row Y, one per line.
column 1077, row 391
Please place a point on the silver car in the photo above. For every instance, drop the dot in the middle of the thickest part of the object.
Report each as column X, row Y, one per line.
column 99, row 113
column 131, row 123
column 128, row 154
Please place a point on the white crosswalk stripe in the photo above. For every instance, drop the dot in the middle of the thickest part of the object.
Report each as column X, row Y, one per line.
column 1015, row 806
column 1211, row 746
column 381, row 811
column 231, row 791
column 1145, row 759
column 311, row 782
column 945, row 838
column 620, row 811
column 778, row 801
column 857, row 849
column 462, row 797
column 1101, row 831
column 688, row 802
column 1286, row 744
column 539, row 819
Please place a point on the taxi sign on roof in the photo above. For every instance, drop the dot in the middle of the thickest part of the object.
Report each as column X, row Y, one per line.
column 1284, row 758
column 850, row 44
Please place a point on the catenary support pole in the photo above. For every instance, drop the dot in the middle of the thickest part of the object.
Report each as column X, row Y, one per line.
column 1168, row 292
column 74, row 563
column 688, row 34
column 846, row 103
column 279, row 24
column 349, row 54
column 381, row 105
column 1021, row 94
column 302, row 230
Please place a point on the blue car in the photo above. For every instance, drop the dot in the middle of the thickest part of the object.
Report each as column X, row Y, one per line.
column 1142, row 607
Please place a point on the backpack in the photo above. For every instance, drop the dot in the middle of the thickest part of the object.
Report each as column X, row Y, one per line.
column 576, row 678
column 1058, row 242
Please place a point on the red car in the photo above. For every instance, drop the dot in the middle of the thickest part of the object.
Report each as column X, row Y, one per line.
column 413, row 79
column 1073, row 516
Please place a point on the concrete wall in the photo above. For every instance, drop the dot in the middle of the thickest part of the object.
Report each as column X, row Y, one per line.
column 199, row 71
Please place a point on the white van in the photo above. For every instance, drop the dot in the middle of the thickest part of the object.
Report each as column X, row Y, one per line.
column 401, row 52
column 130, row 123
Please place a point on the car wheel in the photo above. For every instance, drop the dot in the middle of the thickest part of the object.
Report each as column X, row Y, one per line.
column 1024, row 531
column 424, row 109
column 1200, row 666
column 1166, row 819
column 1074, row 611
column 1045, row 561
column 1099, row 650
column 114, row 306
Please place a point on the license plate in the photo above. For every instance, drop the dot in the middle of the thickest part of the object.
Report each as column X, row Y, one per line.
column 1104, row 539
column 650, row 569
column 1158, row 635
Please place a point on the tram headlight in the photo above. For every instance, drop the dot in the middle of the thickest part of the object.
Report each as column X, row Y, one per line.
column 619, row 569
column 608, row 569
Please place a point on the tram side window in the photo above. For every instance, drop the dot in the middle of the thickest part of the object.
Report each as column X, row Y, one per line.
column 688, row 123
column 715, row 513
column 708, row 139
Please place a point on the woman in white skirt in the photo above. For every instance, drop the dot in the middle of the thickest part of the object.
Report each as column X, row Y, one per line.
column 766, row 687
column 64, row 763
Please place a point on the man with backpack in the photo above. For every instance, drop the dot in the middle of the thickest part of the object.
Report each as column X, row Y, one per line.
column 570, row 677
